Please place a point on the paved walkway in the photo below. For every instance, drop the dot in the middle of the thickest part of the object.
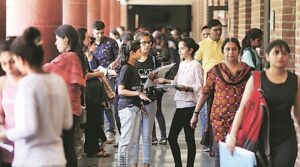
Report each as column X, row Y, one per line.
column 161, row 154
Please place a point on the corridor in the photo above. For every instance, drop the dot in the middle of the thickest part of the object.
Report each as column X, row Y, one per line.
column 161, row 154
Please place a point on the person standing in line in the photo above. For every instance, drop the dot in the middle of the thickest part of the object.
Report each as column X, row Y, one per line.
column 281, row 91
column 226, row 81
column 94, row 96
column 129, row 104
column 107, row 55
column 70, row 65
column 188, row 81
column 8, row 89
column 42, row 107
column 251, row 41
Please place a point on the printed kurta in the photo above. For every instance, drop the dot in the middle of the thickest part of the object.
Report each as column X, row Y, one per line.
column 227, row 90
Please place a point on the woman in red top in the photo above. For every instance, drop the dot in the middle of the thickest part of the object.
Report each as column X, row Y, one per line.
column 70, row 66
column 226, row 81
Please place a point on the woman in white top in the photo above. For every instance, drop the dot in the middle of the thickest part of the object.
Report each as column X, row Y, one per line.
column 188, row 83
column 251, row 41
column 42, row 108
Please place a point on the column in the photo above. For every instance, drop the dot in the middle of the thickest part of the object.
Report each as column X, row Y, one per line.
column 2, row 19
column 123, row 14
column 104, row 14
column 22, row 14
column 93, row 13
column 114, row 14
column 75, row 13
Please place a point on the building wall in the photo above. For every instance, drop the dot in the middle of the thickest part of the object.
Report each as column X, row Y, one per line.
column 283, row 15
column 244, row 18
column 297, row 66
column 257, row 14
column 233, row 16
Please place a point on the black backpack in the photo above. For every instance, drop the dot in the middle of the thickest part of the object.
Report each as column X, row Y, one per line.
column 257, row 66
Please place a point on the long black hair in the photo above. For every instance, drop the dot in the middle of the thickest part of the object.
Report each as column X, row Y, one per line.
column 252, row 34
column 73, row 40
column 81, row 35
column 127, row 48
column 191, row 44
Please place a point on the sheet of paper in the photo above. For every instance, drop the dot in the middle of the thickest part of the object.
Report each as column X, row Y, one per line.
column 161, row 72
column 240, row 157
column 166, row 86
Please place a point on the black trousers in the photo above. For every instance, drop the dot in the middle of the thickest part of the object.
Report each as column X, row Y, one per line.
column 69, row 144
column 93, row 129
column 283, row 154
column 117, row 118
column 181, row 120
column 160, row 119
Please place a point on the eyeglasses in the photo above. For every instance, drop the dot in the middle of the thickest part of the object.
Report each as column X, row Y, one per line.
column 146, row 42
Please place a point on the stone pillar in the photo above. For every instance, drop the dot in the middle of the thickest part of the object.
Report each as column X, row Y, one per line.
column 112, row 14
column 75, row 13
column 104, row 15
column 123, row 15
column 44, row 15
column 2, row 19
column 118, row 14
column 93, row 13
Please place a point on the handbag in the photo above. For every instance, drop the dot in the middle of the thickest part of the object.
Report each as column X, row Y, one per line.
column 255, row 122
column 110, row 94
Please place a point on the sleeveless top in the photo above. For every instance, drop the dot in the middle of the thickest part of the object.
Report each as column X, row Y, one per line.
column 280, row 99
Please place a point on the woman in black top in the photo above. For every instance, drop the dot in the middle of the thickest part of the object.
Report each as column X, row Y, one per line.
column 280, row 89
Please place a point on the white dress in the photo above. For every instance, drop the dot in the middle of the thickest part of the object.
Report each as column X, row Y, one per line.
column 42, row 111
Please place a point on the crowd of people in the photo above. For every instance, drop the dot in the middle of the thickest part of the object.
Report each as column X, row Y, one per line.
column 41, row 104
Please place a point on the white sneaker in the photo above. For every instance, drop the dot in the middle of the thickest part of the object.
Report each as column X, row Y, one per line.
column 110, row 137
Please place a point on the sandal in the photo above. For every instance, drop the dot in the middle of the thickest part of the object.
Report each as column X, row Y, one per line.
column 103, row 153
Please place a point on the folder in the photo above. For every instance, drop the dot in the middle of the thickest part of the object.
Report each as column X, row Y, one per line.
column 240, row 158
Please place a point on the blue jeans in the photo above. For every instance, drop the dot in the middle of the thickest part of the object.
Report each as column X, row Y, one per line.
column 203, row 117
column 110, row 121
column 130, row 118
column 108, row 114
column 146, row 132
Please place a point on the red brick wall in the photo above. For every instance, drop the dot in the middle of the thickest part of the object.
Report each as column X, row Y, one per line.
column 233, row 16
column 244, row 18
column 297, row 68
column 297, row 41
column 217, row 2
column 285, row 15
column 257, row 14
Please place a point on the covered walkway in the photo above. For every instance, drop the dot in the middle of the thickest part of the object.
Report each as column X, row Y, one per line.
column 161, row 154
